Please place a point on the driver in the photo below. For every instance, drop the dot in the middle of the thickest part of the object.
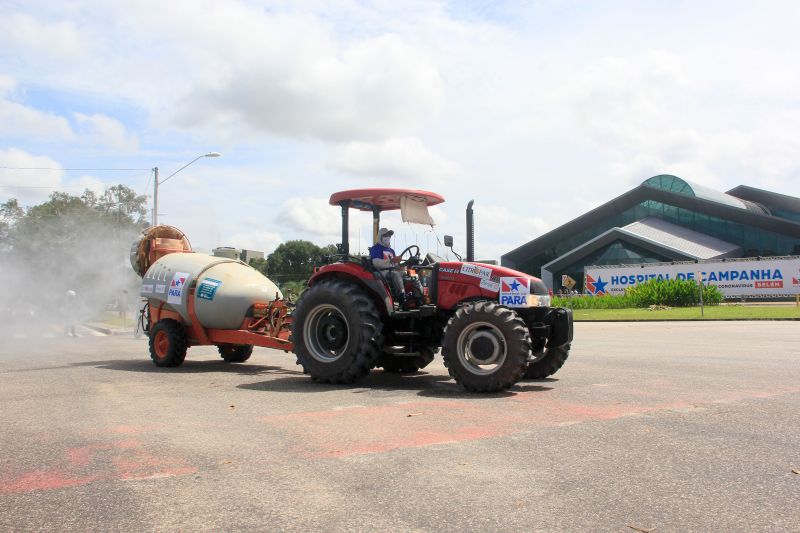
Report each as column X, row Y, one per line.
column 384, row 259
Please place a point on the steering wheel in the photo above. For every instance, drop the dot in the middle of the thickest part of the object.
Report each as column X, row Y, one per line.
column 413, row 258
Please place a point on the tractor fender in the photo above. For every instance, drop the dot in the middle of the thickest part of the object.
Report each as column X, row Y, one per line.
column 375, row 287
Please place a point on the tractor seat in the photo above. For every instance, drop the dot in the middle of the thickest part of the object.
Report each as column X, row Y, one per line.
column 366, row 262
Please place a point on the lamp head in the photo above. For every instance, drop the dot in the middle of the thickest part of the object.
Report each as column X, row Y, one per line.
column 212, row 154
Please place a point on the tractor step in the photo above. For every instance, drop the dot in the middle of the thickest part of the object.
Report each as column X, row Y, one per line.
column 421, row 311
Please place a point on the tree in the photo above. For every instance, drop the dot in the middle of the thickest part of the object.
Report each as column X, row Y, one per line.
column 77, row 243
column 10, row 213
column 293, row 261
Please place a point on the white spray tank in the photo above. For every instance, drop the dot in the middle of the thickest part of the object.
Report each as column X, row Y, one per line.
column 224, row 289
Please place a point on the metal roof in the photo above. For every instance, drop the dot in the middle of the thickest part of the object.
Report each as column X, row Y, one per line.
column 639, row 194
column 686, row 241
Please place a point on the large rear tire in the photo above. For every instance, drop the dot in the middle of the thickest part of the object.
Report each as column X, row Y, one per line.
column 401, row 364
column 235, row 353
column 336, row 331
column 552, row 360
column 486, row 347
column 168, row 343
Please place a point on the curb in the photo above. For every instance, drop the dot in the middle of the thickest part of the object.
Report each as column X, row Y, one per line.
column 108, row 331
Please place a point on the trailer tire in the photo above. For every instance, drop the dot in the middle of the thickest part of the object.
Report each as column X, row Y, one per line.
column 486, row 347
column 168, row 343
column 337, row 332
column 235, row 353
column 552, row 360
column 398, row 364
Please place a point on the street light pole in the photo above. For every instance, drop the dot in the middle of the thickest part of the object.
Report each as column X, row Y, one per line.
column 155, row 196
column 156, row 182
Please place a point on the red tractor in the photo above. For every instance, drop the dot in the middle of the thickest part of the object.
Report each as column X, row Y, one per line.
column 495, row 325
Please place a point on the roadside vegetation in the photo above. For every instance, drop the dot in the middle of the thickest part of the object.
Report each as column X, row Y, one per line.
column 656, row 292
column 669, row 300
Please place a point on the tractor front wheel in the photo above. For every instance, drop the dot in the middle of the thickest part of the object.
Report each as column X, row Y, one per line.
column 552, row 360
column 336, row 329
column 486, row 347
column 235, row 353
column 168, row 343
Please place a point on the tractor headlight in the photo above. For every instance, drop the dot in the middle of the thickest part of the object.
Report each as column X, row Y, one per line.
column 538, row 300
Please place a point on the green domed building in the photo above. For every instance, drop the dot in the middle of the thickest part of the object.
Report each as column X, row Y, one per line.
column 664, row 219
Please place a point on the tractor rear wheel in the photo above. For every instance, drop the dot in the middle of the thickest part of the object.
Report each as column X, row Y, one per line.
column 553, row 359
column 168, row 343
column 400, row 364
column 235, row 353
column 486, row 347
column 337, row 332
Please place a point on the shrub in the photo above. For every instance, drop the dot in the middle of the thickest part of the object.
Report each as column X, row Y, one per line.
column 662, row 292
column 593, row 302
column 672, row 292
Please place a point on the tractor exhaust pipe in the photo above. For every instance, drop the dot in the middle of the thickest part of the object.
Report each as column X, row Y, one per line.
column 470, row 232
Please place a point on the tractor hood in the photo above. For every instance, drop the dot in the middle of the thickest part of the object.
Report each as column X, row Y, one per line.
column 492, row 278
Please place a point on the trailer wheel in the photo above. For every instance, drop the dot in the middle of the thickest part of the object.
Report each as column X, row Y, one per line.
column 398, row 364
column 552, row 360
column 486, row 347
column 235, row 353
column 168, row 343
column 337, row 332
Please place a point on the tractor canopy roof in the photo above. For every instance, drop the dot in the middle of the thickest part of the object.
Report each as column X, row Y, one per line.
column 384, row 199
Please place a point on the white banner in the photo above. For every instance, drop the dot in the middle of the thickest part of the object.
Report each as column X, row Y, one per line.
column 773, row 276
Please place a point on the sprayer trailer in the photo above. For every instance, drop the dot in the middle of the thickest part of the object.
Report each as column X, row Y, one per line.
column 495, row 326
column 196, row 299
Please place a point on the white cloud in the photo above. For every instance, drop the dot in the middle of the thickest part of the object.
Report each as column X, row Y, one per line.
column 395, row 158
column 312, row 216
column 104, row 130
column 28, row 186
column 22, row 122
column 59, row 40
column 267, row 81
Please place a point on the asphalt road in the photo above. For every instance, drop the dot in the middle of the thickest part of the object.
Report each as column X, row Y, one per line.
column 661, row 426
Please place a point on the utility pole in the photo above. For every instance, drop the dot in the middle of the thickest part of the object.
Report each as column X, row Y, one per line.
column 155, row 196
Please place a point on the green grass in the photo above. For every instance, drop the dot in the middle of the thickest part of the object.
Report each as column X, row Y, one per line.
column 723, row 312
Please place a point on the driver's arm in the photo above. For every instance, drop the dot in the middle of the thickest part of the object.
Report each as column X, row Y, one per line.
column 382, row 263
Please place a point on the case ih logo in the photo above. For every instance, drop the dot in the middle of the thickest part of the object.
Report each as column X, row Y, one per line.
column 596, row 286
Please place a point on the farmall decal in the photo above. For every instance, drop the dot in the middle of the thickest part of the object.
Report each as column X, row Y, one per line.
column 176, row 287
column 514, row 291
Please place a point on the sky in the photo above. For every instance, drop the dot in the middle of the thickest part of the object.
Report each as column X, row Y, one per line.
column 537, row 110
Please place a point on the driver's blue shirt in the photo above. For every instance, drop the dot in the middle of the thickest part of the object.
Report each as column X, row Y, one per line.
column 379, row 251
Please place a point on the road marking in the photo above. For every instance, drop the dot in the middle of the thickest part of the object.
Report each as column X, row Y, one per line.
column 383, row 428
column 120, row 460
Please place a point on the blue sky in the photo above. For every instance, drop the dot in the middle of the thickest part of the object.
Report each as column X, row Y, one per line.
column 538, row 110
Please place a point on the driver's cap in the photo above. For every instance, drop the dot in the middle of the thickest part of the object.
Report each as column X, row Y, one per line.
column 383, row 232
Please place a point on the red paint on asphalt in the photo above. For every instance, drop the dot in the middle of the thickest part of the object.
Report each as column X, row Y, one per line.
column 42, row 480
column 124, row 460
column 383, row 428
